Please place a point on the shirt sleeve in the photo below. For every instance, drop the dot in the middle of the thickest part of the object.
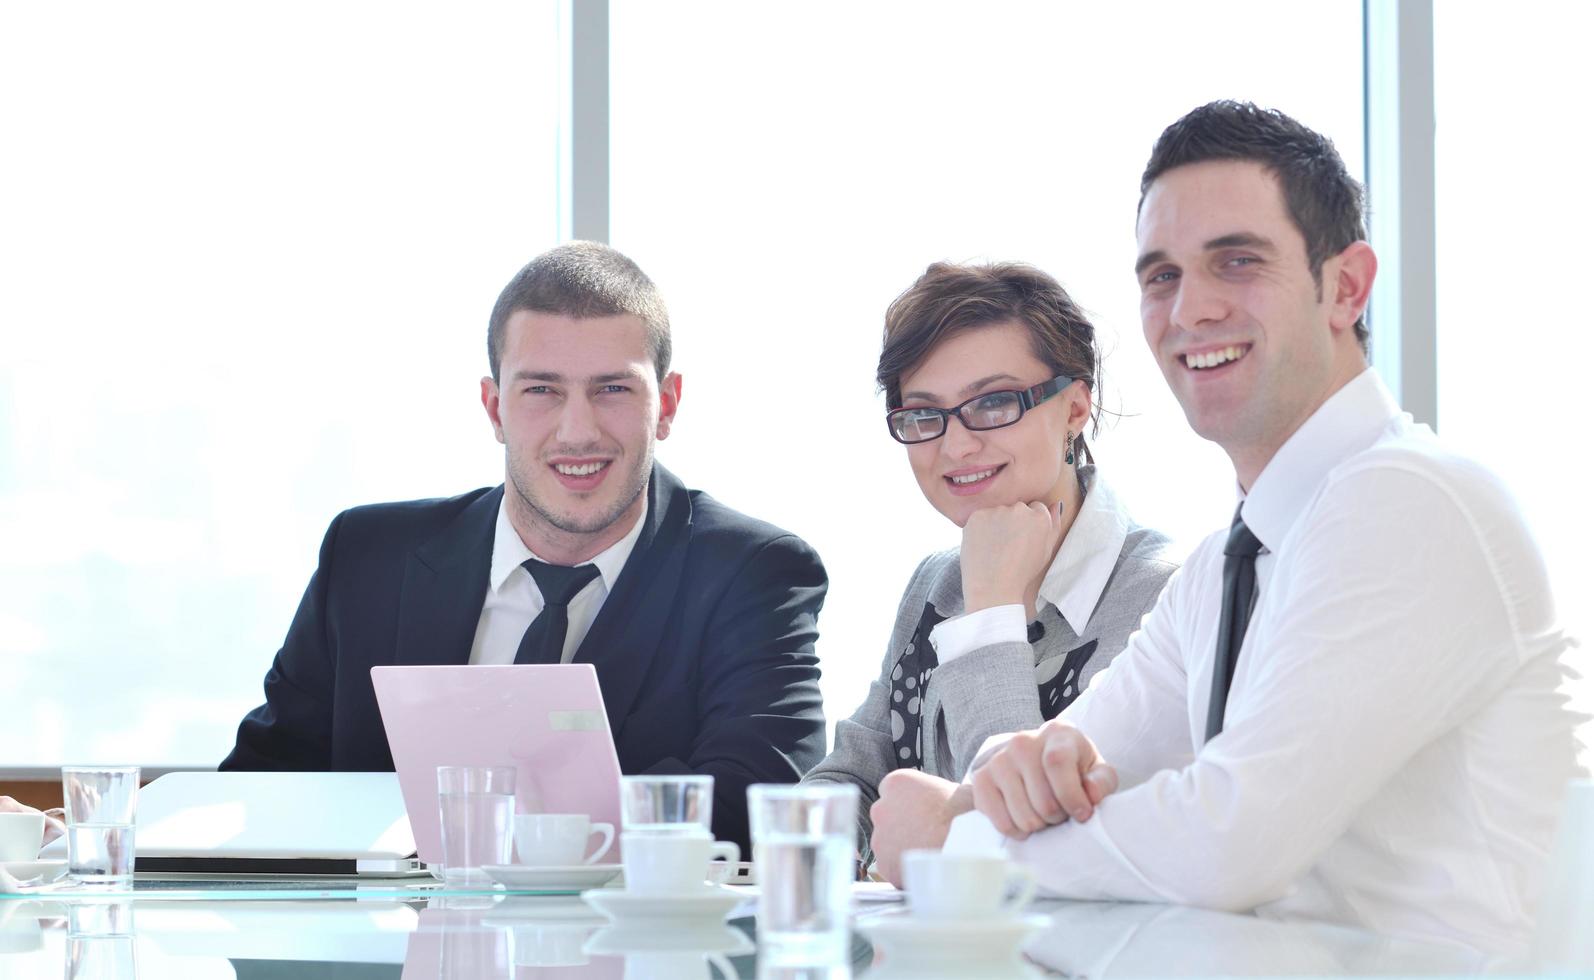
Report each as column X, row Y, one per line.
column 954, row 637
column 1387, row 626
column 1136, row 711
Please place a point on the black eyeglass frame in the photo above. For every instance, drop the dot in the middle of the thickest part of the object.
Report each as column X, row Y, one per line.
column 1028, row 398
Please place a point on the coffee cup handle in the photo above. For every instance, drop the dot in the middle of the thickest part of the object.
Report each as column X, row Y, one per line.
column 1023, row 879
column 725, row 849
column 721, row 965
column 607, row 830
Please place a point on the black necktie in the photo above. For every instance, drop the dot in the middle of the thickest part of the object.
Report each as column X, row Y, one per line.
column 544, row 642
column 1239, row 595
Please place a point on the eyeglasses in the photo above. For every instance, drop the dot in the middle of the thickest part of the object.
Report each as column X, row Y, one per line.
column 991, row 410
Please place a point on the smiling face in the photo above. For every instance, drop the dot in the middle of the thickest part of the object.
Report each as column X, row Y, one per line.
column 966, row 470
column 1250, row 344
column 578, row 411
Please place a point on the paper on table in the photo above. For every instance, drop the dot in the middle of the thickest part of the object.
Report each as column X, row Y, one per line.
column 876, row 891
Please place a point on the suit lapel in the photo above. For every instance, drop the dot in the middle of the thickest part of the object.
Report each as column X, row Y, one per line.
column 445, row 582
column 625, row 637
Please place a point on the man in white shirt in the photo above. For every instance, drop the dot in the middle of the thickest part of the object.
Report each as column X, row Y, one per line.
column 1347, row 705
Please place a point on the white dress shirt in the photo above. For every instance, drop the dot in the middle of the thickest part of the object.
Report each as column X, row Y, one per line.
column 513, row 599
column 1397, row 738
column 1074, row 582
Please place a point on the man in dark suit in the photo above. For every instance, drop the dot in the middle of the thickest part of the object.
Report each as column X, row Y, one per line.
column 699, row 620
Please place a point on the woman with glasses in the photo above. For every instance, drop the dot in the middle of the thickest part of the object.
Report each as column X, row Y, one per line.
column 990, row 373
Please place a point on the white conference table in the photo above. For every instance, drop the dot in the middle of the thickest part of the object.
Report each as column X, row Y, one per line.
column 311, row 930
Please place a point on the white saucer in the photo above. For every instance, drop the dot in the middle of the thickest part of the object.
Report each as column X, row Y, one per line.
column 24, row 871
column 570, row 878
column 673, row 937
column 982, row 937
column 710, row 903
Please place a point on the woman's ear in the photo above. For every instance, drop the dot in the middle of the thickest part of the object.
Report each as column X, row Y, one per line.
column 1079, row 406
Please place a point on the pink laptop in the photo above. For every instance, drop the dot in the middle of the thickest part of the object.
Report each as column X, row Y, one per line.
column 545, row 720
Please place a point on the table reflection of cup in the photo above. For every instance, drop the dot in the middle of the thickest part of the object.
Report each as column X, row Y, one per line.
column 678, row 966
column 551, row 944
column 19, row 928
column 552, row 840
column 676, row 952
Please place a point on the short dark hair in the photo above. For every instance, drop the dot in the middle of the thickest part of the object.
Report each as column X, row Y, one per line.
column 950, row 299
column 583, row 279
column 1324, row 202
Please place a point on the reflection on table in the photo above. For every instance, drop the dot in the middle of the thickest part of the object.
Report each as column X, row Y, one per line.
column 562, row 938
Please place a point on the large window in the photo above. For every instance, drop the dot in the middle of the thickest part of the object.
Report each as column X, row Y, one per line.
column 784, row 170
column 249, row 253
column 1515, row 333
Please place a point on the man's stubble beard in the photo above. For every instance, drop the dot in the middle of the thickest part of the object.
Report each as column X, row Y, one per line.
column 636, row 479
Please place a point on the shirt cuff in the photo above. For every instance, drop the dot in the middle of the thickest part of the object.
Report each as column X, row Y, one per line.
column 954, row 637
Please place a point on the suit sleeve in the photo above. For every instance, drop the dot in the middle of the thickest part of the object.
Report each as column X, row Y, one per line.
column 761, row 719
column 292, row 731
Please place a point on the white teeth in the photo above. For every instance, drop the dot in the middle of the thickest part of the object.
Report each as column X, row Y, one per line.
column 973, row 477
column 585, row 469
column 1213, row 358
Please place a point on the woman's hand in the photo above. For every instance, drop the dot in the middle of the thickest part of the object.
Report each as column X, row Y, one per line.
column 1005, row 553
column 915, row 810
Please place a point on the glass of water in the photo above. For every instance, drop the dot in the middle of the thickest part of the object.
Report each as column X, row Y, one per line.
column 100, row 805
column 803, row 843
column 476, row 810
column 669, row 806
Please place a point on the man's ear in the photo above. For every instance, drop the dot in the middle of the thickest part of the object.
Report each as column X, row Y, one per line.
column 1350, row 276
column 669, row 402
column 490, row 403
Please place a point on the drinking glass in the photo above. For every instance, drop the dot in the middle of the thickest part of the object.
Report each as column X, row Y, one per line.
column 476, row 805
column 803, row 844
column 668, row 844
column 667, row 805
column 100, row 805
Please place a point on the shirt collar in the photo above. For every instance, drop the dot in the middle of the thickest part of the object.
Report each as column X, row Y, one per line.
column 1348, row 422
column 509, row 552
column 1078, row 574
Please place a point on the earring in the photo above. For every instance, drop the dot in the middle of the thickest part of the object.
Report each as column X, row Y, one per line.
column 1069, row 456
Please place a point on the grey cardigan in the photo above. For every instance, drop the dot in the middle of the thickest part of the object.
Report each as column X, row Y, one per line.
column 990, row 690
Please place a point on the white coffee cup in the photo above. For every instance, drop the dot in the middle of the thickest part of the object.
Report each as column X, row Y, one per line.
column 552, row 840
column 964, row 886
column 551, row 944
column 659, row 864
column 21, row 836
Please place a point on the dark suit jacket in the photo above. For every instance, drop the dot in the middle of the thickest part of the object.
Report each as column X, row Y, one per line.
column 704, row 649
